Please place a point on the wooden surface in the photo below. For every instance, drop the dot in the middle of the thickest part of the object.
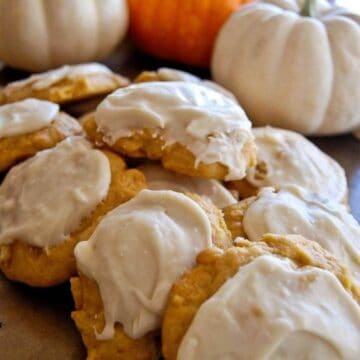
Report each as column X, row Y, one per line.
column 35, row 323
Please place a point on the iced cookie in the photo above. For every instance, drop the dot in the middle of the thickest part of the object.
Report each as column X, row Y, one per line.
column 191, row 128
column 29, row 126
column 68, row 83
column 128, row 266
column 82, row 107
column 293, row 210
column 282, row 298
column 52, row 201
column 168, row 74
column 158, row 178
column 288, row 158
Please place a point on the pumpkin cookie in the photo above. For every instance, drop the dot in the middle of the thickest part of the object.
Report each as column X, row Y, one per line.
column 29, row 126
column 66, row 84
column 52, row 201
column 168, row 74
column 296, row 211
column 158, row 178
column 83, row 107
column 191, row 128
column 288, row 158
column 128, row 266
column 268, row 299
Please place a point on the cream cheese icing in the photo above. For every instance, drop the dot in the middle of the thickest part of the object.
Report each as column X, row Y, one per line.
column 46, row 197
column 270, row 310
column 158, row 178
column 290, row 158
column 211, row 126
column 168, row 74
column 293, row 210
column 137, row 252
column 26, row 116
column 48, row 78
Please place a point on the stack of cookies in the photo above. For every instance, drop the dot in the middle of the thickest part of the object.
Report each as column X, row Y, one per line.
column 184, row 232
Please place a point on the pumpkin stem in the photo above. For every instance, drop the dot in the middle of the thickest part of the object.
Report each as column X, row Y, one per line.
column 309, row 8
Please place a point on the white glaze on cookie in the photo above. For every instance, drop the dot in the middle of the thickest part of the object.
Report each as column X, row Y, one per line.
column 46, row 79
column 24, row 117
column 289, row 158
column 271, row 310
column 158, row 178
column 169, row 74
column 210, row 125
column 45, row 198
column 293, row 210
column 137, row 252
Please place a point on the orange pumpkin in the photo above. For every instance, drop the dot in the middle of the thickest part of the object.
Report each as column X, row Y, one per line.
column 182, row 30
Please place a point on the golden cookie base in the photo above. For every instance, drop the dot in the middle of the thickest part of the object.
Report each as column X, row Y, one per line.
column 89, row 316
column 175, row 157
column 16, row 148
column 66, row 90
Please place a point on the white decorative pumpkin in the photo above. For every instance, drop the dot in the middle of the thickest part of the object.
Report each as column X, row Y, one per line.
column 292, row 70
column 37, row 35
